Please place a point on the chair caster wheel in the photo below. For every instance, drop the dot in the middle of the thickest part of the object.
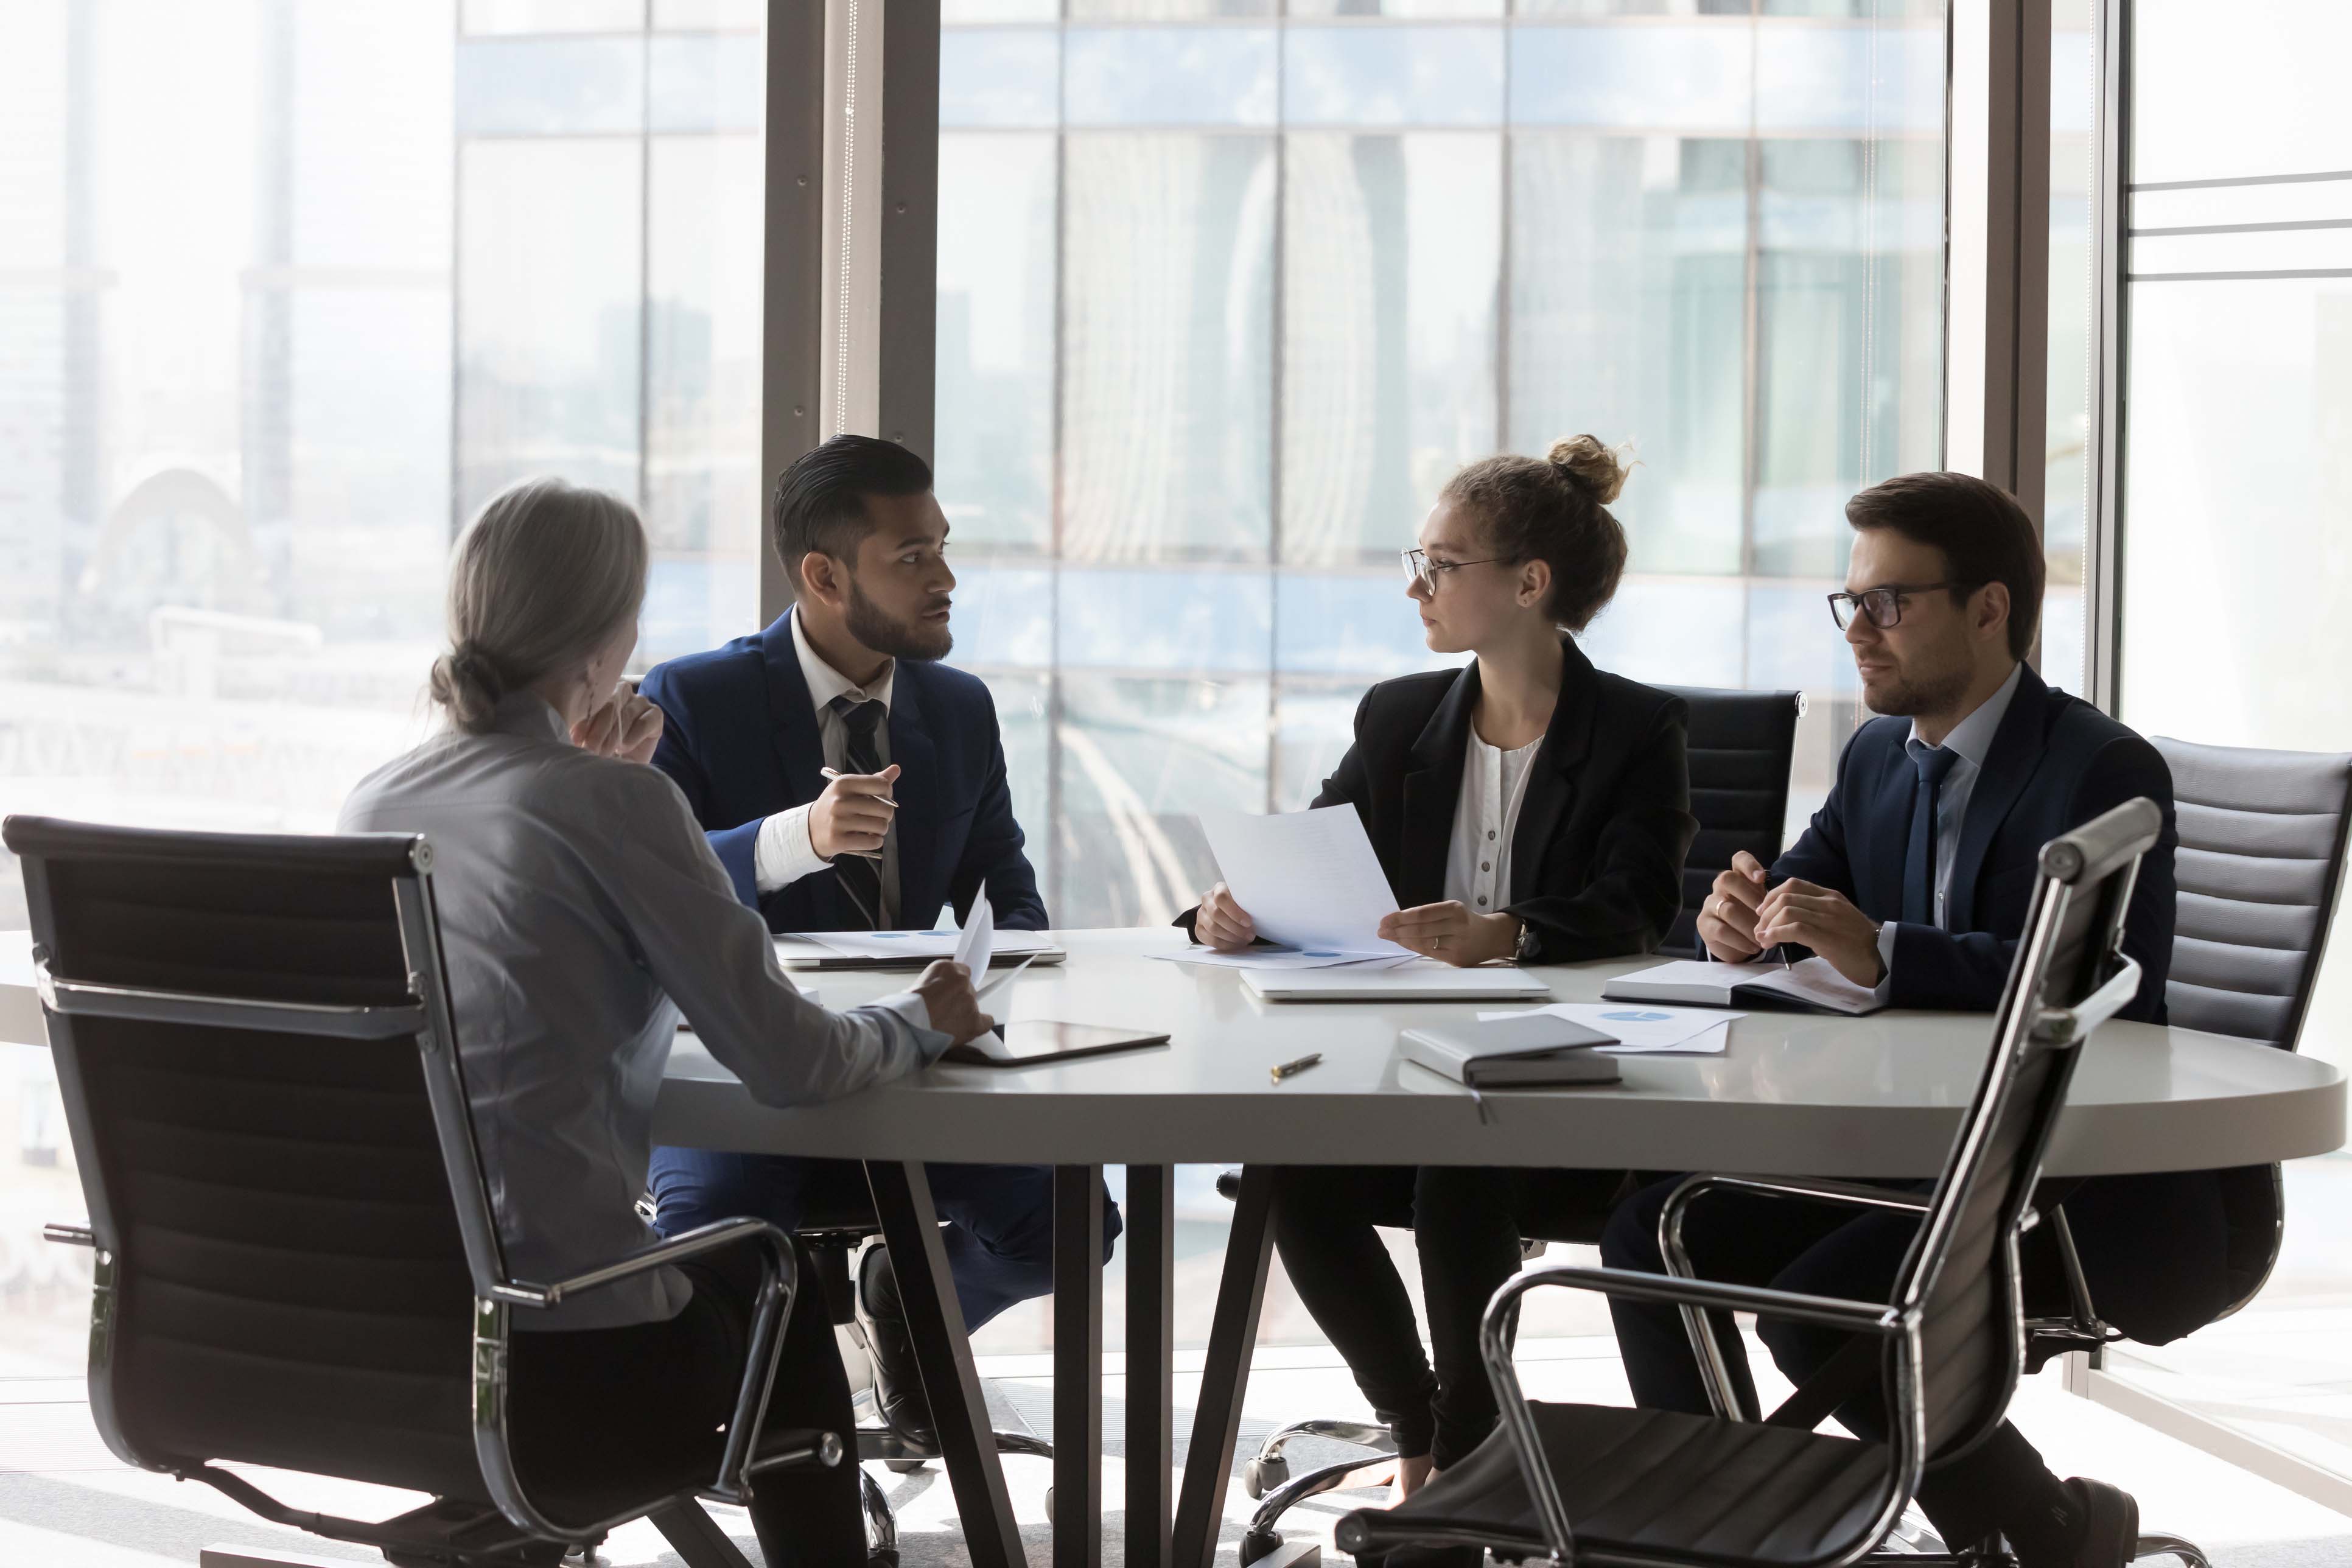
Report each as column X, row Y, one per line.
column 902, row 1467
column 1260, row 1477
column 1257, row 1544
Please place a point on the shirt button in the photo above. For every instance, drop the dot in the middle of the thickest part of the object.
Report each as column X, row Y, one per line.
column 1482, row 901
column 1486, row 864
column 1490, row 835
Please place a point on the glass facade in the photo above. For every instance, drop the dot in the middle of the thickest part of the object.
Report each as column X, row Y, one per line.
column 1225, row 294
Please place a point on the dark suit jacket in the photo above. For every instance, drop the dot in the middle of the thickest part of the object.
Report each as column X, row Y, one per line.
column 740, row 736
column 2056, row 763
column 1597, row 856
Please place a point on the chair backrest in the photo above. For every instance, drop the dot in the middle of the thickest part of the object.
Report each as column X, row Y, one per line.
column 1740, row 744
column 2260, row 860
column 1962, row 1273
column 251, row 1045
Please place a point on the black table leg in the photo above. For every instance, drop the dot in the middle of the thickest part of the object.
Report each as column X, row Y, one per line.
column 1077, row 1365
column 902, row 1198
column 1233, row 1334
column 1150, row 1363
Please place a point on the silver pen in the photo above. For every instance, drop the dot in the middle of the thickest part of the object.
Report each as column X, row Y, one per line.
column 885, row 800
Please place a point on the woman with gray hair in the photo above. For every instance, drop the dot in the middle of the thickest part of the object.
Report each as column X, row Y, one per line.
column 582, row 911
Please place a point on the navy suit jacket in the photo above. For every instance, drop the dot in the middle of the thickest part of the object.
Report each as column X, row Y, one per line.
column 739, row 735
column 2056, row 763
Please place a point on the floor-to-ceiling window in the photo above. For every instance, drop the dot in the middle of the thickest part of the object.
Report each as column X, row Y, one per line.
column 2235, row 536
column 1228, row 288
column 287, row 288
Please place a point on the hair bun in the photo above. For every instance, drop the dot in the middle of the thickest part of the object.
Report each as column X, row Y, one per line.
column 1590, row 464
column 477, row 669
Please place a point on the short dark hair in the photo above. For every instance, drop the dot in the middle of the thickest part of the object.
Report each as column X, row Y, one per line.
column 1984, row 534
column 819, row 501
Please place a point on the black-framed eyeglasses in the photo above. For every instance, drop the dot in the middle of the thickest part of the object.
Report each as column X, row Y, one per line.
column 1419, row 568
column 1883, row 606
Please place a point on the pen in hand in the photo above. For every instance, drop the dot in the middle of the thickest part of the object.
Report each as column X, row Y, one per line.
column 1291, row 1070
column 885, row 800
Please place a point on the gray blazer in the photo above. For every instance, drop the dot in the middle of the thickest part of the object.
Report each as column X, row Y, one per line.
column 582, row 911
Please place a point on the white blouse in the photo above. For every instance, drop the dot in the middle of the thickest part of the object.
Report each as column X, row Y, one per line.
column 1493, row 783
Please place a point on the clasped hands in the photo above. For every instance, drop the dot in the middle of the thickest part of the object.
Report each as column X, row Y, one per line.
column 1448, row 931
column 1743, row 916
column 624, row 725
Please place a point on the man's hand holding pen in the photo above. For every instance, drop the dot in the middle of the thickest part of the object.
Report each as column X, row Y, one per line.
column 852, row 816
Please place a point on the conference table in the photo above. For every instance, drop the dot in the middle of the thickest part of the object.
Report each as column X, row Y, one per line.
column 1792, row 1094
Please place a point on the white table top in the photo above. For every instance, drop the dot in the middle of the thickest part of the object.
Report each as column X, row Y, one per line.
column 1794, row 1094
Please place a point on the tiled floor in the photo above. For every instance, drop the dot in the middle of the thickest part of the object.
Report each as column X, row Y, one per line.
column 65, row 1502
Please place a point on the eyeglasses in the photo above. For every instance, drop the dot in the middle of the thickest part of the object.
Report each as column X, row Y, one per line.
column 1883, row 606
column 1419, row 568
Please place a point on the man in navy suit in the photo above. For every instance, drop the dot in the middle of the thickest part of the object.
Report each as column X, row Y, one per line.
column 1913, row 879
column 849, row 780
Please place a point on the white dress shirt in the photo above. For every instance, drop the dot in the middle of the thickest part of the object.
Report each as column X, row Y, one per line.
column 1971, row 741
column 581, row 910
column 1478, row 862
column 784, row 852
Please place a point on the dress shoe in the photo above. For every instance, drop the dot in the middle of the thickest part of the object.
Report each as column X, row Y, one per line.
column 2111, row 1523
column 898, row 1382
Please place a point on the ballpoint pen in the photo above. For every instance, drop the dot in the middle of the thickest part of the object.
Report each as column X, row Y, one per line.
column 1290, row 1069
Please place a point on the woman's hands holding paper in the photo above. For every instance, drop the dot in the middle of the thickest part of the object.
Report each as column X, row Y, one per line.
column 1221, row 924
column 1452, row 933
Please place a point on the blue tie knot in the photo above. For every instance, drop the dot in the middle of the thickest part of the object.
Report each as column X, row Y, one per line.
column 1933, row 761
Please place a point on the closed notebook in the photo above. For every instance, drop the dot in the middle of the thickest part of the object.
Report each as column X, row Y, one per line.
column 1527, row 1051
column 1810, row 986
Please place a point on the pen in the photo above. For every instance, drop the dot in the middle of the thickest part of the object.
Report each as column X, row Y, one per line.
column 1288, row 1069
column 884, row 799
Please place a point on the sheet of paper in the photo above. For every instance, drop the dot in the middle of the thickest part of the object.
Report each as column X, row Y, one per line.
column 1002, row 978
column 1643, row 1029
column 1309, row 878
column 916, row 946
column 1275, row 958
column 973, row 946
column 1702, row 971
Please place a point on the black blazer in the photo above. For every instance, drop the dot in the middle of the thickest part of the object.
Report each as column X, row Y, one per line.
column 2056, row 763
column 1597, row 856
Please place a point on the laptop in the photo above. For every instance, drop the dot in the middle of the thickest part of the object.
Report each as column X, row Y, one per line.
column 1413, row 983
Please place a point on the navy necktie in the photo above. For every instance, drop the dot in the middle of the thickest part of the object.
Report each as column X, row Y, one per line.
column 862, row 879
column 1932, row 763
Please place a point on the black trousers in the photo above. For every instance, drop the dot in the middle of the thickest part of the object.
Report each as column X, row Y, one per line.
column 591, row 1403
column 1467, row 1224
column 2154, row 1249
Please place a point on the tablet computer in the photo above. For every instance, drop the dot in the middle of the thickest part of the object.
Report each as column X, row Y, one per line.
column 1025, row 1042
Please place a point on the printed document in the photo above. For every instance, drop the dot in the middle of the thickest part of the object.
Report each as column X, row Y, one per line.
column 1309, row 878
column 1642, row 1030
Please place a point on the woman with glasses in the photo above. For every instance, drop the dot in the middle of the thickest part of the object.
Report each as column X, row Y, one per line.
column 1525, row 806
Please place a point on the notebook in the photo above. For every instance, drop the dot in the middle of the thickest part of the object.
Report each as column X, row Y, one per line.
column 1523, row 1051
column 804, row 953
column 1428, row 981
column 1025, row 1042
column 1811, row 986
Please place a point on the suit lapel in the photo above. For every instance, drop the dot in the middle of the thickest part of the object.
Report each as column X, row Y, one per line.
column 1878, row 875
column 1433, row 786
column 2017, row 753
column 800, row 746
column 917, row 792
column 1552, row 777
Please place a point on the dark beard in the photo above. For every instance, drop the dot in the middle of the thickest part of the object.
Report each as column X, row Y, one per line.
column 897, row 639
column 1910, row 698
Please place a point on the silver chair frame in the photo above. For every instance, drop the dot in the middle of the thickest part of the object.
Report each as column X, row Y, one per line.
column 427, row 1019
column 1900, row 1323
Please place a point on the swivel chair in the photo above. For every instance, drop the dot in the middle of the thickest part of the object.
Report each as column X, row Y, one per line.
column 297, row 1264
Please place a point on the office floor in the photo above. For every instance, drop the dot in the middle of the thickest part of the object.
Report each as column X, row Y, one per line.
column 65, row 1502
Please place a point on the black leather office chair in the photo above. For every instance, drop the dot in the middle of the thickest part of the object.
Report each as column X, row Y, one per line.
column 297, row 1264
column 2262, row 858
column 1579, row 1483
column 1741, row 747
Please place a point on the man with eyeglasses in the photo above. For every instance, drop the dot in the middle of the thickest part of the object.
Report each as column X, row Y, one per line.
column 1913, row 879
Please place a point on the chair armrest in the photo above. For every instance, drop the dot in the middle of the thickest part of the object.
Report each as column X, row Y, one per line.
column 779, row 1285
column 1693, row 1294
